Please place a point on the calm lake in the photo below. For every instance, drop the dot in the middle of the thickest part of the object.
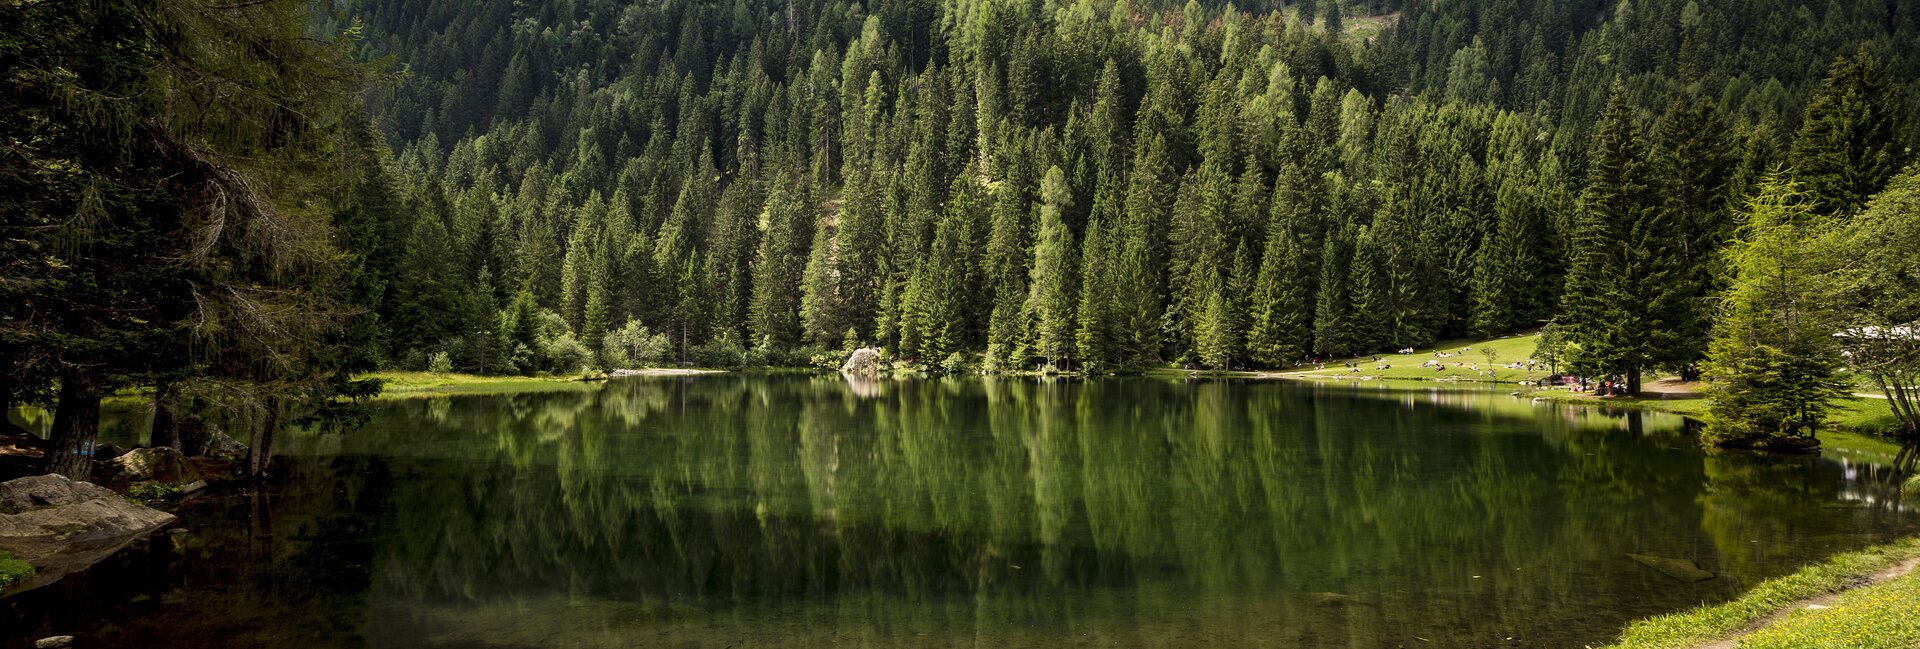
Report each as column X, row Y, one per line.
column 814, row 511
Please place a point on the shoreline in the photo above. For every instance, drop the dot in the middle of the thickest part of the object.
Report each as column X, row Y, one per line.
column 1804, row 601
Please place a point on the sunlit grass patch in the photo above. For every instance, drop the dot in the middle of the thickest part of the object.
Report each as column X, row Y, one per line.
column 1884, row 615
column 1718, row 621
column 405, row 383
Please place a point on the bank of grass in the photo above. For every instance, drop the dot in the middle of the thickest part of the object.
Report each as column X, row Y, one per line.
column 1720, row 621
column 401, row 384
column 1856, row 416
column 13, row 571
column 1467, row 353
column 1885, row 615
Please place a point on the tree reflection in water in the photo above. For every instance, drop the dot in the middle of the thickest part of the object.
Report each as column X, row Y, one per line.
column 817, row 511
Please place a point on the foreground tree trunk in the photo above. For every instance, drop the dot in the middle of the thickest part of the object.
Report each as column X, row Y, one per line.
column 260, row 453
column 166, row 420
column 76, row 422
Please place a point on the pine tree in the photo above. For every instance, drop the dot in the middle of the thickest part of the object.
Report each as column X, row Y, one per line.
column 1094, row 333
column 1332, row 319
column 1853, row 137
column 820, row 305
column 1369, row 308
column 1692, row 160
column 1282, row 301
column 1507, row 264
column 1624, row 297
column 1773, row 368
column 1137, row 280
column 1050, row 303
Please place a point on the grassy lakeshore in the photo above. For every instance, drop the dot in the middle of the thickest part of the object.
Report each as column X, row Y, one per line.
column 400, row 384
column 1776, row 613
column 1459, row 360
column 1467, row 361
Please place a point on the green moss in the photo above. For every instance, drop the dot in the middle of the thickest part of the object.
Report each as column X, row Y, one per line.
column 152, row 492
column 1711, row 623
column 13, row 571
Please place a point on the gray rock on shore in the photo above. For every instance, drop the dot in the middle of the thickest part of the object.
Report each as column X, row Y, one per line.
column 223, row 447
column 157, row 464
column 865, row 360
column 60, row 526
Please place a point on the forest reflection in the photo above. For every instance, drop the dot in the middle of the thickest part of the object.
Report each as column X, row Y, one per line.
column 818, row 511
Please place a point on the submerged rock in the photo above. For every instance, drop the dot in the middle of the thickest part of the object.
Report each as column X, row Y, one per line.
column 158, row 464
column 865, row 360
column 1682, row 569
column 54, row 642
column 71, row 526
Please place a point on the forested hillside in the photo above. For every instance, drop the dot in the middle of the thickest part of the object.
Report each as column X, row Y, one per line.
column 1095, row 183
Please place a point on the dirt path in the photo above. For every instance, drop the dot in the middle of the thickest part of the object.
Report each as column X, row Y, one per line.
column 1896, row 571
column 1672, row 388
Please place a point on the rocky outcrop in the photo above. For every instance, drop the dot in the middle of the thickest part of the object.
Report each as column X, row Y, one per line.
column 43, row 491
column 158, row 464
column 60, row 526
column 865, row 360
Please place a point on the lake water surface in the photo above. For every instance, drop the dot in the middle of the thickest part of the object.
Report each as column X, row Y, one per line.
column 811, row 511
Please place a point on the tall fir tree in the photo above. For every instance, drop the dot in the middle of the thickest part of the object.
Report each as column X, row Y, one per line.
column 1854, row 136
column 1624, row 294
column 1050, row 303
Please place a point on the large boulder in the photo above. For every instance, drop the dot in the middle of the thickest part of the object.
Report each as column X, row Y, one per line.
column 68, row 525
column 865, row 360
column 222, row 447
column 158, row 464
column 41, row 491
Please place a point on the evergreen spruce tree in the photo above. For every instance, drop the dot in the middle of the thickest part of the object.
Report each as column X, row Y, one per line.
column 1333, row 317
column 1624, row 298
column 1853, row 138
column 775, row 312
column 1370, row 294
column 1507, row 263
column 1050, row 303
column 1138, row 282
column 1282, row 302
column 1692, row 160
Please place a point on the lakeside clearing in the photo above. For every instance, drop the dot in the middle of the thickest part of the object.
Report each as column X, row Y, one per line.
column 1467, row 361
column 405, row 384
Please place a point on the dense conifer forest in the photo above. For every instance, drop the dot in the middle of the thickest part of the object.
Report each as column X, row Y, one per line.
column 1093, row 184
column 243, row 209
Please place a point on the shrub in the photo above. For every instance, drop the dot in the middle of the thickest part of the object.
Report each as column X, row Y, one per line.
column 152, row 492
column 441, row 363
column 725, row 352
column 565, row 355
column 633, row 345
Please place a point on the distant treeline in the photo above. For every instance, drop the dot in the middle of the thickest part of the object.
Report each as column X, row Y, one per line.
column 1097, row 184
